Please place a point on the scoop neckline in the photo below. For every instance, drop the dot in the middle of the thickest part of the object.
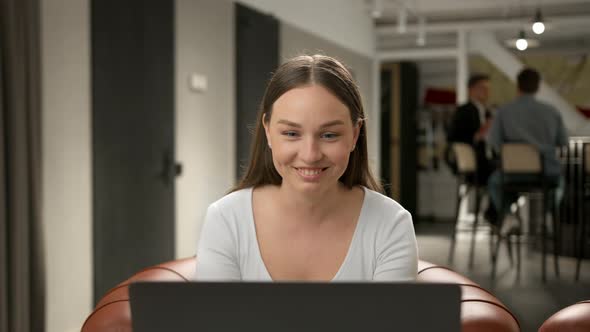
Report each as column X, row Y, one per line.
column 350, row 247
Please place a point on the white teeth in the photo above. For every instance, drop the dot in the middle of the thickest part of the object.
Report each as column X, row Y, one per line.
column 310, row 172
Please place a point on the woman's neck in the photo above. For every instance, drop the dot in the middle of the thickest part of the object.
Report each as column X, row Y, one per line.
column 314, row 207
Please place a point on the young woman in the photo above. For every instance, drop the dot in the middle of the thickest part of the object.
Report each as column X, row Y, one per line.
column 308, row 207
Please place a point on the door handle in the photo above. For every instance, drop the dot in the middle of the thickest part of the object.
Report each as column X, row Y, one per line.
column 170, row 168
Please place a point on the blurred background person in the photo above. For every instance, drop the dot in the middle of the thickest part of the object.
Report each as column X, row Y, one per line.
column 469, row 124
column 527, row 120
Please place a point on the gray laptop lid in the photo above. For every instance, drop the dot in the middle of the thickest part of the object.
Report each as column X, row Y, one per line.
column 275, row 307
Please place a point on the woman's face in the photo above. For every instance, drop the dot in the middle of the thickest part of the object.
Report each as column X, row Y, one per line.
column 311, row 136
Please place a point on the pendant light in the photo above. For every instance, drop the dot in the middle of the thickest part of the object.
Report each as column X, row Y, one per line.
column 538, row 25
column 521, row 43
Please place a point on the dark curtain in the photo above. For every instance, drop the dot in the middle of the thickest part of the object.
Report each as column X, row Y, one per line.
column 22, row 274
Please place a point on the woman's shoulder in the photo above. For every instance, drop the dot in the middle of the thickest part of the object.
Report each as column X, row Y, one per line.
column 234, row 200
column 230, row 212
column 382, row 203
column 383, row 210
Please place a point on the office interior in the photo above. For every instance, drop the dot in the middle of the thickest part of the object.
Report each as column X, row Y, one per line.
column 146, row 110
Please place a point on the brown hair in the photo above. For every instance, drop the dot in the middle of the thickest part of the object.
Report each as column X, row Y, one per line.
column 296, row 72
column 476, row 78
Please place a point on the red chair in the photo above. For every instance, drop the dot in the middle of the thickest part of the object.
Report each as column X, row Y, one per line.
column 480, row 310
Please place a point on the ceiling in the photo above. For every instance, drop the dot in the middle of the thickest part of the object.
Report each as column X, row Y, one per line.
column 567, row 22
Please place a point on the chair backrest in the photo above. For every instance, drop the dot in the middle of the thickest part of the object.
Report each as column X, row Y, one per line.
column 481, row 311
column 521, row 158
column 465, row 157
column 574, row 318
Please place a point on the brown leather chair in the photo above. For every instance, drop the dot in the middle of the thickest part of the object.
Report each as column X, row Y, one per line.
column 575, row 318
column 480, row 310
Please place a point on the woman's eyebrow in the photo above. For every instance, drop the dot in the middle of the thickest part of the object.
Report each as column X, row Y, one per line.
column 327, row 124
column 332, row 123
column 289, row 123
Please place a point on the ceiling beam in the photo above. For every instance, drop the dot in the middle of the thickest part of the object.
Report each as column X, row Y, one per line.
column 391, row 29
column 417, row 54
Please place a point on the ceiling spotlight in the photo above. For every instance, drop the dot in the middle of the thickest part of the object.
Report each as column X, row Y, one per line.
column 538, row 25
column 421, row 38
column 521, row 42
column 402, row 20
column 377, row 10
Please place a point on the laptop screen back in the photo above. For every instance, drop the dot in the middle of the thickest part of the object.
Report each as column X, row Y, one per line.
column 272, row 307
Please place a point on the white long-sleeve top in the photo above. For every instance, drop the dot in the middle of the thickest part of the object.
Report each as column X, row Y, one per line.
column 383, row 246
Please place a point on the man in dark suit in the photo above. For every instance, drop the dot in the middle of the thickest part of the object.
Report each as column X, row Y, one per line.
column 470, row 124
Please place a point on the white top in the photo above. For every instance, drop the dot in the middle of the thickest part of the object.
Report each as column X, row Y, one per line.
column 481, row 111
column 383, row 246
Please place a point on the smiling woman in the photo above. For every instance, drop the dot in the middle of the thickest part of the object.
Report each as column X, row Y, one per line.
column 308, row 207
column 311, row 137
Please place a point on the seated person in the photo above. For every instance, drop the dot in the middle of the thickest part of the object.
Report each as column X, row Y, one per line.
column 469, row 124
column 527, row 120
column 308, row 208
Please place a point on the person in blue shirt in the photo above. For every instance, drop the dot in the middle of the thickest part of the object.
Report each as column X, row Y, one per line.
column 526, row 120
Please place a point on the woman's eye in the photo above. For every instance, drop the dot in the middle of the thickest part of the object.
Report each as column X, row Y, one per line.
column 290, row 133
column 329, row 135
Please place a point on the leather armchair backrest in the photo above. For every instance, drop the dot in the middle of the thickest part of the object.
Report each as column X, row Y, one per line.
column 480, row 310
column 574, row 318
column 112, row 312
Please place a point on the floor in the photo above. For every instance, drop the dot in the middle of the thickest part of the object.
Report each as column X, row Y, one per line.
column 531, row 300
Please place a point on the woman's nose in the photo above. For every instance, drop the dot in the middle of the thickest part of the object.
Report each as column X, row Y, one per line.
column 311, row 151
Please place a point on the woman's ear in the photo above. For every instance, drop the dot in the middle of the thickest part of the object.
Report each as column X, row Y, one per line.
column 266, row 129
column 357, row 131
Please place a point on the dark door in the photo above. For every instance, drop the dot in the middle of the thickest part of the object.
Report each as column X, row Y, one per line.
column 399, row 105
column 133, row 137
column 257, row 56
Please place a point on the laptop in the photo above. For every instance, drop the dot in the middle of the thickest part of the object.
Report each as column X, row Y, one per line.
column 290, row 307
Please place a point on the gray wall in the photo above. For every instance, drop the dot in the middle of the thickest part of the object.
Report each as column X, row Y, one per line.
column 342, row 22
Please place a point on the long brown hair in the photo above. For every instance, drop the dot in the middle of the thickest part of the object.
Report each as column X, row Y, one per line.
column 296, row 72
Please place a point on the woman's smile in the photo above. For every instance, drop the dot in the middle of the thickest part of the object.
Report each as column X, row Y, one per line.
column 310, row 174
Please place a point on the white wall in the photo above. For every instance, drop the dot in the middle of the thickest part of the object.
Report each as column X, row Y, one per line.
column 295, row 41
column 344, row 22
column 66, row 161
column 205, row 122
